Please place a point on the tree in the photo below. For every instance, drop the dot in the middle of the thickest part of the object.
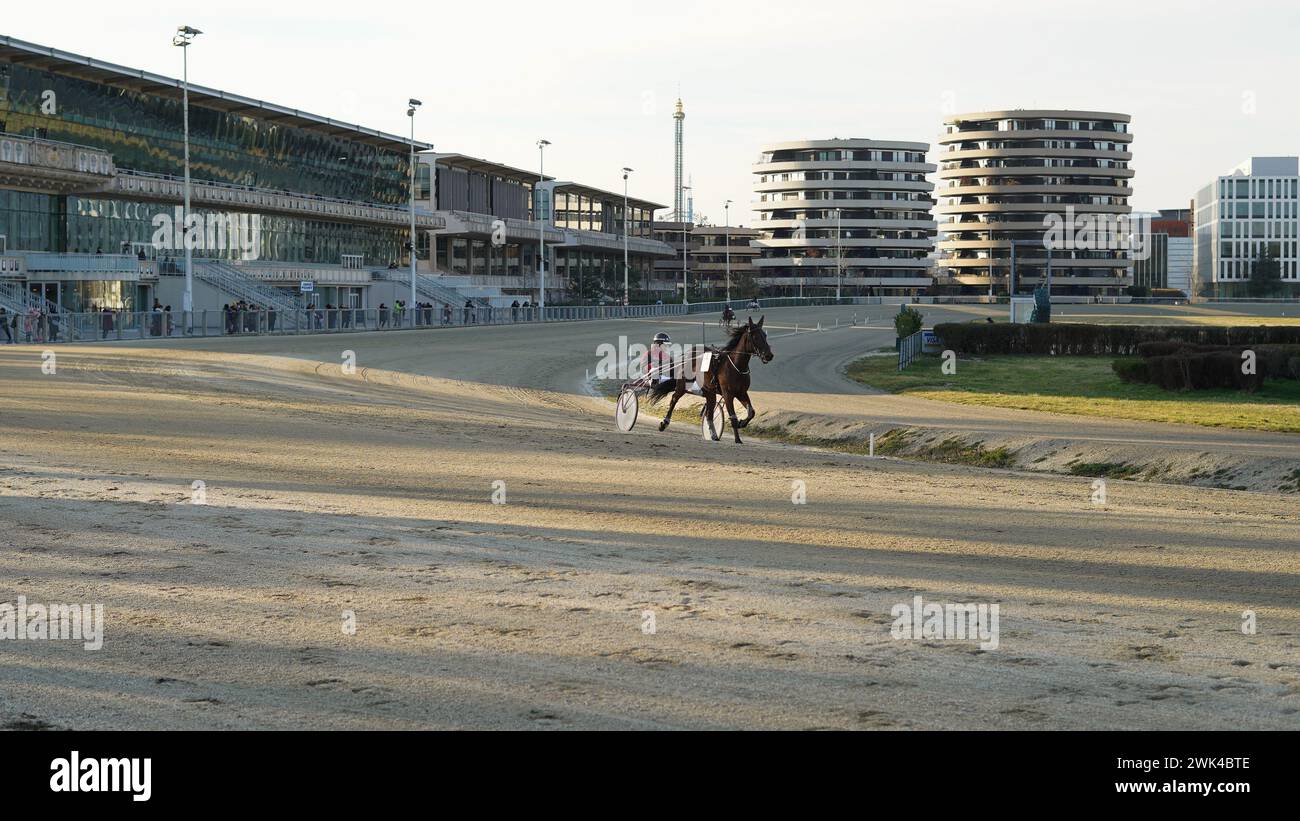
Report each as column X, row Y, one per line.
column 907, row 321
column 588, row 289
column 743, row 285
column 1265, row 275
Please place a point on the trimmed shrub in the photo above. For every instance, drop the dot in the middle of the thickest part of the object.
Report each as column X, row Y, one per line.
column 1190, row 370
column 1133, row 371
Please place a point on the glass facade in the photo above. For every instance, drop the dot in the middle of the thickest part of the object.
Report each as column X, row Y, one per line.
column 144, row 133
column 34, row 222
column 582, row 212
column 102, row 225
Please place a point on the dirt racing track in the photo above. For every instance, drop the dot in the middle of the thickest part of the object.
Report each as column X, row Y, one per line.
column 641, row 580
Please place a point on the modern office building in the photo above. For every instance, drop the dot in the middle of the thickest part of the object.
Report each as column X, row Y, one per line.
column 719, row 251
column 1238, row 216
column 850, row 211
column 91, row 165
column 593, row 225
column 670, row 273
column 714, row 250
column 1166, row 260
column 490, row 236
column 1008, row 176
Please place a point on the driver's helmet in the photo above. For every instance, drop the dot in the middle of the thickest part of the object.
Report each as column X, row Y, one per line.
column 661, row 339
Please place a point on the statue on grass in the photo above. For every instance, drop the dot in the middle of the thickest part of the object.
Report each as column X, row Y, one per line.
column 1042, row 305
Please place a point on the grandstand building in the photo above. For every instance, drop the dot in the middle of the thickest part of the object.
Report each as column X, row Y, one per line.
column 291, row 208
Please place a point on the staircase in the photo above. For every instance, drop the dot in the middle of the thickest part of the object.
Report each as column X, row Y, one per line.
column 230, row 280
column 430, row 287
column 15, row 298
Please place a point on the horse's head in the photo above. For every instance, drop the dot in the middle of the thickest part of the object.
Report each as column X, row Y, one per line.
column 758, row 339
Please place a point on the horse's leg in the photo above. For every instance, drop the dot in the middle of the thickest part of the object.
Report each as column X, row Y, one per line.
column 730, row 399
column 678, row 394
column 749, row 409
column 710, row 402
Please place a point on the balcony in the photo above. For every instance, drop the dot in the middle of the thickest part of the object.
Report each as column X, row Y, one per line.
column 216, row 195
column 49, row 165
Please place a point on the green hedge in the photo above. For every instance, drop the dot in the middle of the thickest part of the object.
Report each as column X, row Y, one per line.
column 1067, row 339
column 1182, row 366
column 1191, row 371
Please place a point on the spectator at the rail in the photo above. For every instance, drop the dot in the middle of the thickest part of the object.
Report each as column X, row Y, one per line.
column 383, row 315
column 4, row 323
column 469, row 307
column 167, row 318
column 514, row 311
column 446, row 313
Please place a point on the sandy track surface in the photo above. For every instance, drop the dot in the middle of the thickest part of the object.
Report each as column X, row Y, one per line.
column 371, row 493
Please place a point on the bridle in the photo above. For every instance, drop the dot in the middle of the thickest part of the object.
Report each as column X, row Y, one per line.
column 738, row 352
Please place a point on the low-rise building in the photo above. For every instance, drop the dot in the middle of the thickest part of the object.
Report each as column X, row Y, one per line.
column 1165, row 258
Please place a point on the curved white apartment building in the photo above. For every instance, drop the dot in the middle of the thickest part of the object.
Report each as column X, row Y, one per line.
column 1002, row 173
column 852, row 211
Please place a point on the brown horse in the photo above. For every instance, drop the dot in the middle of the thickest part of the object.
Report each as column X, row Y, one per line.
column 728, row 377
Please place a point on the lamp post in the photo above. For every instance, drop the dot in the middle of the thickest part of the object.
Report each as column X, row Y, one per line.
column 541, row 227
column 626, row 300
column 839, row 256
column 686, row 300
column 411, row 106
column 184, row 36
column 726, row 207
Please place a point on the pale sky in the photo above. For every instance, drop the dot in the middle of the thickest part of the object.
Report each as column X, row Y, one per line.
column 1208, row 83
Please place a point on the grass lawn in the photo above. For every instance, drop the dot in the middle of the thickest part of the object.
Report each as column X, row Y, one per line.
column 1083, row 385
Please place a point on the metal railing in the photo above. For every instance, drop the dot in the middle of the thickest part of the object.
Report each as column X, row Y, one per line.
column 909, row 348
column 53, row 326
column 428, row 287
column 18, row 299
column 129, row 182
column 61, row 263
column 229, row 279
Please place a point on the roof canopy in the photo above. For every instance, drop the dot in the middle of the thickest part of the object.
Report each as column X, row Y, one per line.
column 43, row 58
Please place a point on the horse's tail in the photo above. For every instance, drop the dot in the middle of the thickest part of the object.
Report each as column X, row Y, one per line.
column 661, row 389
